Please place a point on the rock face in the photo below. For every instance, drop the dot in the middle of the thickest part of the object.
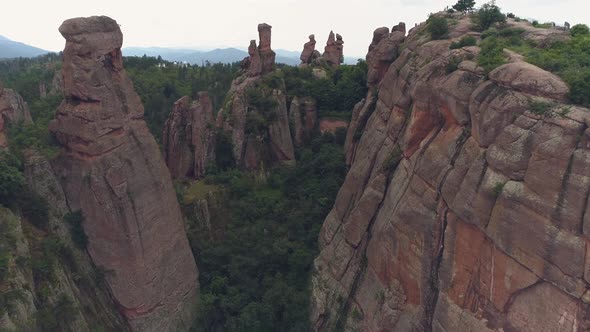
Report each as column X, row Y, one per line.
column 383, row 50
column 189, row 137
column 13, row 109
column 333, row 52
column 303, row 117
column 462, row 210
column 112, row 171
column 307, row 56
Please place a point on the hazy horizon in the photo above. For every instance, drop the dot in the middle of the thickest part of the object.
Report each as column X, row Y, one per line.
column 222, row 24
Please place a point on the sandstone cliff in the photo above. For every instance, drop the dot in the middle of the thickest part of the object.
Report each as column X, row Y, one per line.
column 464, row 209
column 111, row 170
column 189, row 137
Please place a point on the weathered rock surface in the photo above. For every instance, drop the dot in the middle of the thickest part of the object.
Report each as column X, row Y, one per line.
column 13, row 109
column 261, row 59
column 189, row 137
column 308, row 54
column 334, row 50
column 111, row 170
column 462, row 210
column 303, row 117
column 255, row 115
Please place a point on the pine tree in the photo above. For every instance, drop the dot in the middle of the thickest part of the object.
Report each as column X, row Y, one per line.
column 464, row 5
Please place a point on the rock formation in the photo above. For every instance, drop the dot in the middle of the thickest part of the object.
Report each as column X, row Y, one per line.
column 255, row 115
column 189, row 137
column 333, row 52
column 111, row 170
column 13, row 109
column 463, row 209
column 383, row 50
column 308, row 53
column 303, row 117
column 261, row 59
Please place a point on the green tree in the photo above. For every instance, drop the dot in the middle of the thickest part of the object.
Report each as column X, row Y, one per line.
column 488, row 15
column 464, row 5
column 580, row 30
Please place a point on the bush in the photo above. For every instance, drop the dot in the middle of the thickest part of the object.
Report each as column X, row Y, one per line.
column 580, row 30
column 488, row 15
column 540, row 107
column 491, row 55
column 79, row 237
column 437, row 27
column 465, row 41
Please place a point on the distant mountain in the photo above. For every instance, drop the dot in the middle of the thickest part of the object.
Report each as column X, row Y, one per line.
column 13, row 49
column 223, row 55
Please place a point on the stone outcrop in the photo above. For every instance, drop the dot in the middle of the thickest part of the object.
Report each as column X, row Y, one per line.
column 463, row 209
column 333, row 52
column 189, row 137
column 303, row 117
column 309, row 52
column 111, row 169
column 261, row 59
column 13, row 109
column 384, row 48
column 255, row 115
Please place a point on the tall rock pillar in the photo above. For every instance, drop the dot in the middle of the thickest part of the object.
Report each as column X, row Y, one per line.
column 111, row 169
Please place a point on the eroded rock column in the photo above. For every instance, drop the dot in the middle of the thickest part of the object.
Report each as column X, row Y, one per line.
column 112, row 170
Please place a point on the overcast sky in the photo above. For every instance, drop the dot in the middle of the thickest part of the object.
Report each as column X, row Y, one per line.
column 223, row 23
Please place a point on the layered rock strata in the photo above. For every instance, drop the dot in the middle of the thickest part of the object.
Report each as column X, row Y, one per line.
column 189, row 137
column 464, row 208
column 111, row 170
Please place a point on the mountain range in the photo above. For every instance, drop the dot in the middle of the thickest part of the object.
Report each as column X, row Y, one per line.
column 225, row 55
column 14, row 49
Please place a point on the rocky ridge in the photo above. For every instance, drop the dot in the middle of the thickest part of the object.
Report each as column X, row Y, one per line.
column 111, row 170
column 463, row 209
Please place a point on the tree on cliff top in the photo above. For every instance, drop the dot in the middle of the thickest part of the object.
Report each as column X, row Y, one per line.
column 464, row 6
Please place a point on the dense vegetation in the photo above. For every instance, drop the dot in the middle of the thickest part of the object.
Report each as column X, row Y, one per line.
column 256, row 253
column 567, row 59
column 336, row 94
column 160, row 83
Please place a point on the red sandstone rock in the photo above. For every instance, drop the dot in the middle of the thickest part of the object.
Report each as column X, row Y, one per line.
column 483, row 224
column 333, row 52
column 307, row 56
column 112, row 171
column 189, row 137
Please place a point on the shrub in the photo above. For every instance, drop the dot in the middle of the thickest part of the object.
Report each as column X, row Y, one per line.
column 488, row 15
column 453, row 65
column 491, row 55
column 437, row 27
column 580, row 30
column 392, row 159
column 75, row 220
column 465, row 41
column 540, row 107
column 4, row 264
column 498, row 188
